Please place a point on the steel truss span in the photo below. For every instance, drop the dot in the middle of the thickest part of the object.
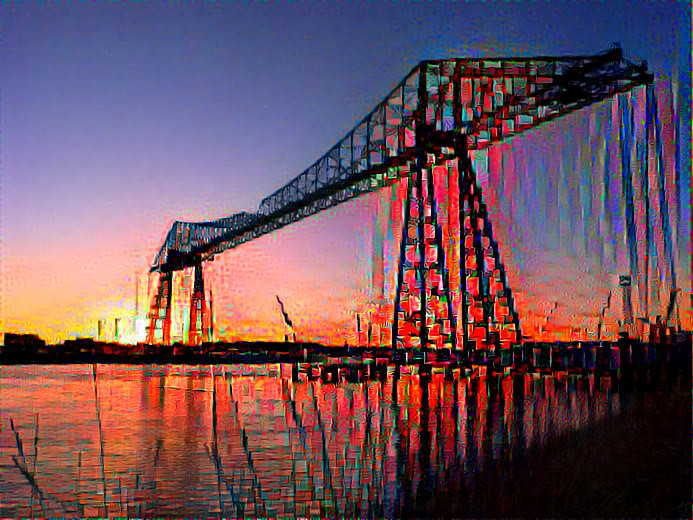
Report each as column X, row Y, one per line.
column 434, row 117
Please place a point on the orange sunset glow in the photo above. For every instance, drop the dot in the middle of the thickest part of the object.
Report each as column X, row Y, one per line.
column 110, row 138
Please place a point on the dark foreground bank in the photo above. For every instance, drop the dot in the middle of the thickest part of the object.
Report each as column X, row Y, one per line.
column 636, row 464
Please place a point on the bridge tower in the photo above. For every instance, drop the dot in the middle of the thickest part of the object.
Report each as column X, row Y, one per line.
column 451, row 289
column 487, row 319
column 424, row 316
column 199, row 328
column 160, row 312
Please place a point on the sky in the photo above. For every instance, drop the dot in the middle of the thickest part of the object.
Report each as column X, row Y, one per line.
column 119, row 119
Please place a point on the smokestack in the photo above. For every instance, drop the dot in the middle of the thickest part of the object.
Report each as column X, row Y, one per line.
column 116, row 329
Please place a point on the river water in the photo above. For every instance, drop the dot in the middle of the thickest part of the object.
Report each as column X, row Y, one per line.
column 243, row 440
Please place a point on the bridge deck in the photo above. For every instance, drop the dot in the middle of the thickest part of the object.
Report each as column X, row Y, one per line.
column 482, row 101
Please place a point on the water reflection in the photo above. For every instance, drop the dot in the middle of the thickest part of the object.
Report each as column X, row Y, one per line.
column 247, row 441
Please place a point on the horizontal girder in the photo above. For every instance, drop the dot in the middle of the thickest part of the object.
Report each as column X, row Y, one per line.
column 480, row 100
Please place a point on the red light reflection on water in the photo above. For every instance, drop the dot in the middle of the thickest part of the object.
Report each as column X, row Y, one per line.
column 247, row 441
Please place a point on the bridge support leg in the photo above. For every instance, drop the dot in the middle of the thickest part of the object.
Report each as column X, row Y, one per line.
column 423, row 314
column 160, row 312
column 198, row 331
column 423, row 300
column 488, row 313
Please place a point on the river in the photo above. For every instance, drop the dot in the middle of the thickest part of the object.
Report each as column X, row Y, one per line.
column 244, row 440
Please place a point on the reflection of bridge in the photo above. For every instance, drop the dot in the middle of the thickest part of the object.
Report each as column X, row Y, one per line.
column 451, row 287
column 380, row 448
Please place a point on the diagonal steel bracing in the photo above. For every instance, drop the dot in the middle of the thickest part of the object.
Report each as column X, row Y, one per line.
column 199, row 327
column 438, row 113
column 486, row 100
column 160, row 312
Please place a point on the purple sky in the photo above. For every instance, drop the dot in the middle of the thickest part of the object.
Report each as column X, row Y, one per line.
column 118, row 119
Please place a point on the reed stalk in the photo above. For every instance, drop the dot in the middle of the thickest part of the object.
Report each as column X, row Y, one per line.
column 18, row 441
column 249, row 457
column 24, row 468
column 32, row 481
column 36, row 439
column 290, row 403
column 220, row 471
column 215, row 447
column 101, row 442
column 291, row 449
column 325, row 452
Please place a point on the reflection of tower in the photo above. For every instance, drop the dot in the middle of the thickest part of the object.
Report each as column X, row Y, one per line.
column 199, row 318
column 624, row 282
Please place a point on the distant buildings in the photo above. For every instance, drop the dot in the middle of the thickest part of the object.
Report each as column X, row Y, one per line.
column 23, row 341
column 22, row 344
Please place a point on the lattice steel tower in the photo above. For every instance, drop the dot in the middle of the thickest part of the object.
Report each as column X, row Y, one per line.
column 451, row 287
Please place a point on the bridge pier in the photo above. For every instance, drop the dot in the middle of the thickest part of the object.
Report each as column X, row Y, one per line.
column 199, row 328
column 161, row 304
